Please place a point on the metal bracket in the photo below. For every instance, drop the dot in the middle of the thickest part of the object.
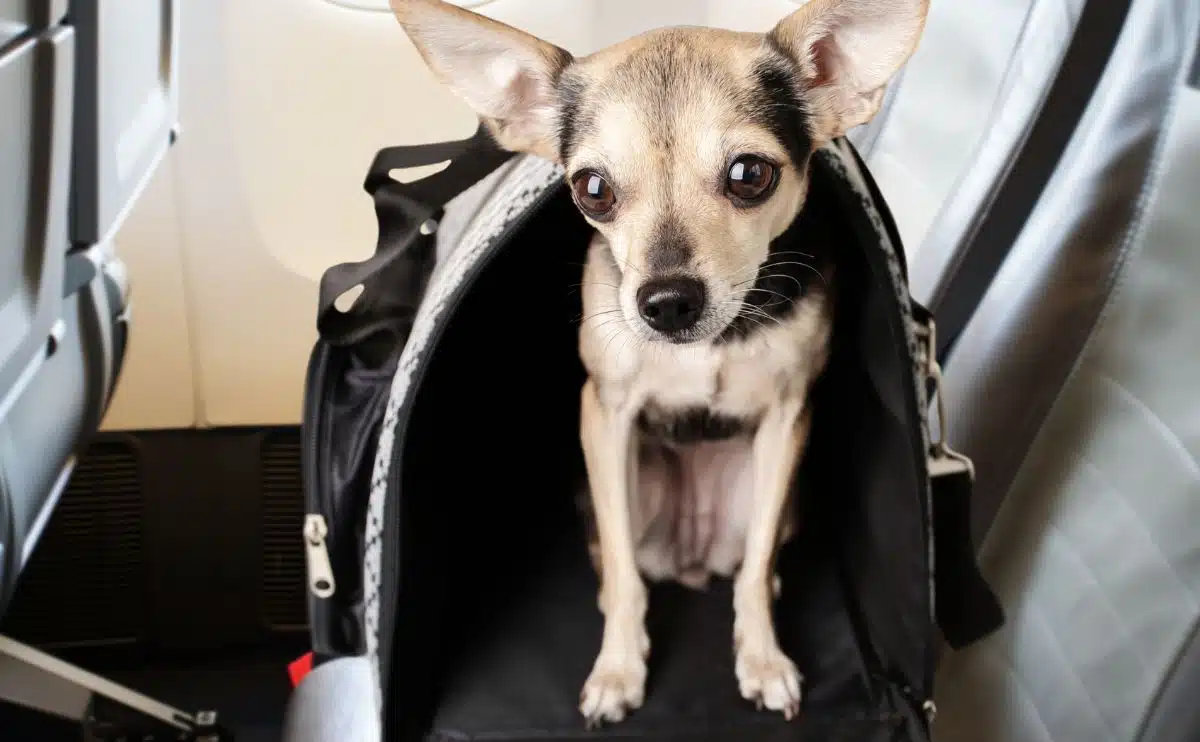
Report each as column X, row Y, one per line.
column 943, row 459
column 108, row 712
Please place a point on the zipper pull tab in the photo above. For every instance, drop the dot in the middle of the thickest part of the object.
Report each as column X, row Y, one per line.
column 320, row 571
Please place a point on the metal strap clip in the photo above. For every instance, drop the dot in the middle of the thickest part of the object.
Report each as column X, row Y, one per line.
column 943, row 459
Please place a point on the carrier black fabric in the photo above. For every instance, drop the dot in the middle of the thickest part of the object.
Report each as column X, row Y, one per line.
column 447, row 469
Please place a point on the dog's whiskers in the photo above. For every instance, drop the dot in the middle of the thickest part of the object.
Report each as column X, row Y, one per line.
column 581, row 284
column 766, row 337
column 756, row 268
column 759, row 274
column 629, row 265
column 616, row 332
column 802, row 265
column 801, row 253
column 608, row 322
column 600, row 313
column 780, row 299
column 778, row 276
column 749, row 311
column 737, row 295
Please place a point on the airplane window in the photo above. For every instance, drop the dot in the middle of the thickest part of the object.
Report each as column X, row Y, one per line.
column 382, row 5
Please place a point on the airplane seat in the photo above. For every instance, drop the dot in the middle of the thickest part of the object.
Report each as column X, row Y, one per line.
column 957, row 113
column 40, row 342
column 1073, row 388
column 88, row 94
column 970, row 128
column 64, row 294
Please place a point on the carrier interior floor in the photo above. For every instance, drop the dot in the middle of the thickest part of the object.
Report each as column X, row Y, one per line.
column 516, row 674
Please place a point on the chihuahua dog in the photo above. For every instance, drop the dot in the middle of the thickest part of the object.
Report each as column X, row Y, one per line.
column 708, row 287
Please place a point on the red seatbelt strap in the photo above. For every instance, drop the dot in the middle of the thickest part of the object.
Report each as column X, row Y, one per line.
column 301, row 667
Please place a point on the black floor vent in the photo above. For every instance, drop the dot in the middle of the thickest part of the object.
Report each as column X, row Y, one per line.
column 171, row 542
column 84, row 584
column 283, row 569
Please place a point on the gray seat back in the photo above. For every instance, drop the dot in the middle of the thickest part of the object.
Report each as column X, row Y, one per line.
column 973, row 130
column 1074, row 389
column 36, row 71
column 958, row 116
column 88, row 106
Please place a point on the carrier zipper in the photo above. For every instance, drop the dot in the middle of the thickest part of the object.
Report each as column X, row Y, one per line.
column 317, row 505
column 320, row 572
column 389, row 586
column 929, row 708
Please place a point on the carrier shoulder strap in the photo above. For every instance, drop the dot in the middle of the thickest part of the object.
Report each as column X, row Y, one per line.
column 405, row 247
column 965, row 606
column 966, row 609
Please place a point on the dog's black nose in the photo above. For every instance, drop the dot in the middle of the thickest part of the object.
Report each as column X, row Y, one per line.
column 671, row 305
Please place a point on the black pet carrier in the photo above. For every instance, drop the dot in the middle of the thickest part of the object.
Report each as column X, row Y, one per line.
column 442, row 457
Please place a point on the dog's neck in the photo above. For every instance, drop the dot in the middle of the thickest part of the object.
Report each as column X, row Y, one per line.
column 799, row 262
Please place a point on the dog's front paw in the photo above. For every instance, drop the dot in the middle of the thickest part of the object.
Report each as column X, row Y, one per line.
column 768, row 678
column 615, row 687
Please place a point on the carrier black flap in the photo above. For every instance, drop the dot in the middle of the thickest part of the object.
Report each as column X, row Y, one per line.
column 890, row 556
column 352, row 364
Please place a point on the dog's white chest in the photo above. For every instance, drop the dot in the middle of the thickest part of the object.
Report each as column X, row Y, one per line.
column 684, row 378
column 722, row 379
column 739, row 379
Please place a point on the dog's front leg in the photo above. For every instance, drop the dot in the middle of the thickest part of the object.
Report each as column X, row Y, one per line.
column 765, row 674
column 617, row 682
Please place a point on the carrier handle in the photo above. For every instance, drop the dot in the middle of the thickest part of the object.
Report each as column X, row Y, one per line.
column 406, row 248
column 440, row 188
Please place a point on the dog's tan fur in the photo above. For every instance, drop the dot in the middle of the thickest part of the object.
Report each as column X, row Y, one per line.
column 661, row 115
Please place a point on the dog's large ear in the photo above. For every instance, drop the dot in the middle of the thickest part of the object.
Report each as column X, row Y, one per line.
column 506, row 75
column 847, row 51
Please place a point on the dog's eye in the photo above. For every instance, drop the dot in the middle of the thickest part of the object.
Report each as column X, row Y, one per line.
column 593, row 194
column 750, row 178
